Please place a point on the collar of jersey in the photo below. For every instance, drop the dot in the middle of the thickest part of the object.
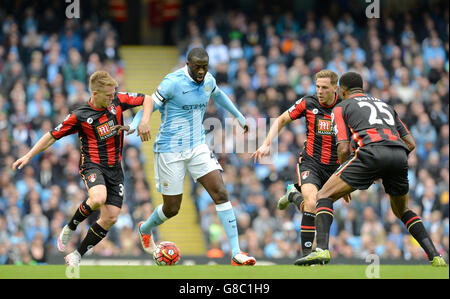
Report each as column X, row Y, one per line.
column 356, row 95
column 95, row 108
column 187, row 74
column 331, row 105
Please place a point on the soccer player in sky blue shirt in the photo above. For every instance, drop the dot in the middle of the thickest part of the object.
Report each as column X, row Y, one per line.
column 182, row 98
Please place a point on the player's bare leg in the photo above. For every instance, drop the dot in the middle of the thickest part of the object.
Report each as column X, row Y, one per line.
column 96, row 233
column 171, row 204
column 333, row 189
column 170, row 208
column 413, row 223
column 214, row 185
column 309, row 193
column 97, row 197
column 108, row 216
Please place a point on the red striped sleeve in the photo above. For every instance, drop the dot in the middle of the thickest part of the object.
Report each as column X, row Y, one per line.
column 297, row 109
column 67, row 127
column 128, row 100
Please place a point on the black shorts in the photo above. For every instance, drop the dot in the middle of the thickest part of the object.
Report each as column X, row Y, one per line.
column 373, row 162
column 313, row 172
column 112, row 177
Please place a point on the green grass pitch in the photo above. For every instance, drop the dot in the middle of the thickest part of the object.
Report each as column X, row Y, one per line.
column 225, row 272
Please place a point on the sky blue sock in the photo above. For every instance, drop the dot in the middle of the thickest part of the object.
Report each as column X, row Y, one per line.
column 228, row 219
column 154, row 220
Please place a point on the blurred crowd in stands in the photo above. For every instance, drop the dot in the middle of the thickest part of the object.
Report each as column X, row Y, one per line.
column 45, row 64
column 264, row 60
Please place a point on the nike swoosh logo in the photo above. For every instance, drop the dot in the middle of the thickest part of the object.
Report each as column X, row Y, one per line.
column 184, row 92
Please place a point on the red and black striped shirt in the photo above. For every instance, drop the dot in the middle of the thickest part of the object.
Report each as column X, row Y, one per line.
column 363, row 120
column 320, row 142
column 99, row 144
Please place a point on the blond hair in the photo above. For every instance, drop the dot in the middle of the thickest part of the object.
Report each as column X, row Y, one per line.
column 327, row 74
column 100, row 79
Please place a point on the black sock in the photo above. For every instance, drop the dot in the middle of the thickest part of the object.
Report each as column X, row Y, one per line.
column 307, row 232
column 324, row 218
column 297, row 199
column 416, row 228
column 95, row 234
column 81, row 214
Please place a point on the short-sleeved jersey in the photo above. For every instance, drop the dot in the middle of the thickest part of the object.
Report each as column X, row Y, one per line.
column 99, row 144
column 320, row 139
column 363, row 120
column 183, row 105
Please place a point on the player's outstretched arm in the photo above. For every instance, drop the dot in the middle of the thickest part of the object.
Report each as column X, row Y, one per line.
column 45, row 142
column 144, row 124
column 148, row 107
column 222, row 99
column 344, row 151
column 275, row 129
column 404, row 133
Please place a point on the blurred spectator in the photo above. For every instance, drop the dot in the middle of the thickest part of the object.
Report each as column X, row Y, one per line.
column 217, row 51
column 263, row 222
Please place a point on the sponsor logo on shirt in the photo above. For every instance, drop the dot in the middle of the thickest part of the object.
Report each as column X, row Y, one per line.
column 104, row 130
column 324, row 127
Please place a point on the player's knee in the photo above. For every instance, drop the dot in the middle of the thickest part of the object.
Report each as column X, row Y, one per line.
column 220, row 196
column 399, row 212
column 171, row 211
column 96, row 200
column 319, row 194
column 309, row 202
column 309, row 205
column 111, row 220
column 108, row 221
column 329, row 195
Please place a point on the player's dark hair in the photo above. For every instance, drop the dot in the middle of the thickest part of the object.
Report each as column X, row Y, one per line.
column 198, row 53
column 351, row 80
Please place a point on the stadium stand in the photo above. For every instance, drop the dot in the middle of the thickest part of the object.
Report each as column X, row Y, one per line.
column 264, row 59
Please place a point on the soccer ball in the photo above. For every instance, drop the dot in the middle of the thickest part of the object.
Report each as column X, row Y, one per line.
column 166, row 254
